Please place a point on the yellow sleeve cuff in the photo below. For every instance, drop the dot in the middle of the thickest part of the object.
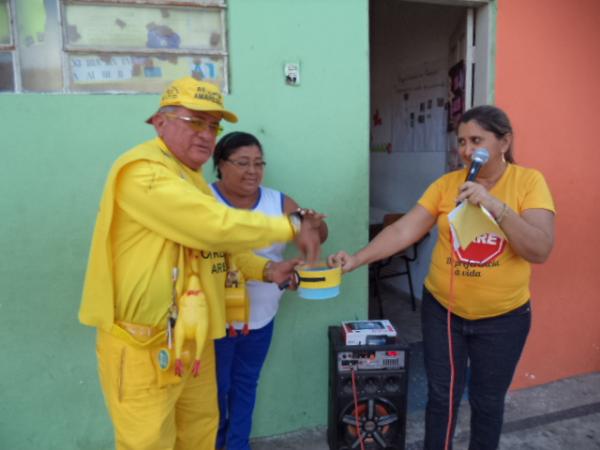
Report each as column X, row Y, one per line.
column 251, row 265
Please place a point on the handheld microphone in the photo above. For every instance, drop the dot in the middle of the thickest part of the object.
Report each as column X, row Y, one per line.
column 478, row 159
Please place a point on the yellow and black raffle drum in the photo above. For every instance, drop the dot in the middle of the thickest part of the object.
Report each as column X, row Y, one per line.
column 318, row 282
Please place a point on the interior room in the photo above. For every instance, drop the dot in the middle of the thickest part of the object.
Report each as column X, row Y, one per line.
column 423, row 75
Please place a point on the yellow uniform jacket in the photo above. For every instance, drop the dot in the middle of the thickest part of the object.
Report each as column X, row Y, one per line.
column 154, row 208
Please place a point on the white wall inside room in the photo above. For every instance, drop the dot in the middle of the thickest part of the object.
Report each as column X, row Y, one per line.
column 409, row 54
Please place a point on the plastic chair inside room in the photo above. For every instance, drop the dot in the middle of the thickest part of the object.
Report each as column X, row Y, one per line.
column 397, row 265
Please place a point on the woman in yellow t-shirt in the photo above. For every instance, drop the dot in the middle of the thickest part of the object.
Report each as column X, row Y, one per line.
column 483, row 289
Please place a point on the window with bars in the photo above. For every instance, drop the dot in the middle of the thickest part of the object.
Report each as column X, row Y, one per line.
column 120, row 46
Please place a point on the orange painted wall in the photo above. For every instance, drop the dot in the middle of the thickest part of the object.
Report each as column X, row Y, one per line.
column 548, row 80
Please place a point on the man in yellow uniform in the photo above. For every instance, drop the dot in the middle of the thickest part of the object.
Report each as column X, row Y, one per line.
column 156, row 213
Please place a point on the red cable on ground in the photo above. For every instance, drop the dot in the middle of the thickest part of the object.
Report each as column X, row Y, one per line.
column 450, row 353
column 355, row 395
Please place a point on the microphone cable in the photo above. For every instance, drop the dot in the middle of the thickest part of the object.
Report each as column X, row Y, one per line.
column 451, row 300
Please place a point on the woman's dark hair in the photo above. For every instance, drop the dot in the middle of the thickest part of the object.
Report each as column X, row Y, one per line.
column 492, row 119
column 228, row 145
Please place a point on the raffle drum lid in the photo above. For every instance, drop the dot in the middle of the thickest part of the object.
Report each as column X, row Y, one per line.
column 318, row 282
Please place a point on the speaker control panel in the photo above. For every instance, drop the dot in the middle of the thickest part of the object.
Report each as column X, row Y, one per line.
column 370, row 360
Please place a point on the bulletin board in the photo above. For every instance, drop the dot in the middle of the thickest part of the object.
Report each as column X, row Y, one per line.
column 420, row 108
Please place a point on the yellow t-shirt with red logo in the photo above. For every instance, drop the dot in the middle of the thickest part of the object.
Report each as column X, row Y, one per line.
column 499, row 282
column 153, row 210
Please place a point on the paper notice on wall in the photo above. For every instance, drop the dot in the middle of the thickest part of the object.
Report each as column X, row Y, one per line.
column 419, row 116
column 91, row 69
column 205, row 70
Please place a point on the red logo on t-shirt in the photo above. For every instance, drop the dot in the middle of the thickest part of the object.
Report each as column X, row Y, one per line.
column 482, row 250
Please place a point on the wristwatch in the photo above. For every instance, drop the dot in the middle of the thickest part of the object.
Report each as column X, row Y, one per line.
column 295, row 219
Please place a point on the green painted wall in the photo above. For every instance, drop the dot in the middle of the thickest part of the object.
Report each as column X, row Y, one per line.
column 56, row 153
column 316, row 143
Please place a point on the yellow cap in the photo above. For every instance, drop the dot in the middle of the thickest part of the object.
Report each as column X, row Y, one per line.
column 195, row 95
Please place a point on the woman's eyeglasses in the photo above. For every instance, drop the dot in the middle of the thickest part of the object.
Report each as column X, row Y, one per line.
column 198, row 124
column 245, row 164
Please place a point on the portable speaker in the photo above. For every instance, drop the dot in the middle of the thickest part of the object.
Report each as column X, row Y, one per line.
column 380, row 381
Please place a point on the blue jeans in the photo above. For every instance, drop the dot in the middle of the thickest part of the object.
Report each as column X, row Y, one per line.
column 239, row 361
column 491, row 349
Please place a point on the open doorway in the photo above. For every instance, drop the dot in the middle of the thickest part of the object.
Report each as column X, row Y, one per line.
column 429, row 61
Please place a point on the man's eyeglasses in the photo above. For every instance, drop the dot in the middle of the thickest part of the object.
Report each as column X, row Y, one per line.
column 245, row 164
column 198, row 124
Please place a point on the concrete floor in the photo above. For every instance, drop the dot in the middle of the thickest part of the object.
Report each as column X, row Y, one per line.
column 564, row 415
column 557, row 416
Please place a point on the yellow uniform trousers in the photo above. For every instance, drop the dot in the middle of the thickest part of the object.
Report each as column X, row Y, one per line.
column 151, row 409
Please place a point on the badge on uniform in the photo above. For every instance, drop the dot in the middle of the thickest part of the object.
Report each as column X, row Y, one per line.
column 164, row 359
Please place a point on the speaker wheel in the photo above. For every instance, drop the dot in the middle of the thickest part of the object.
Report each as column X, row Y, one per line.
column 377, row 420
